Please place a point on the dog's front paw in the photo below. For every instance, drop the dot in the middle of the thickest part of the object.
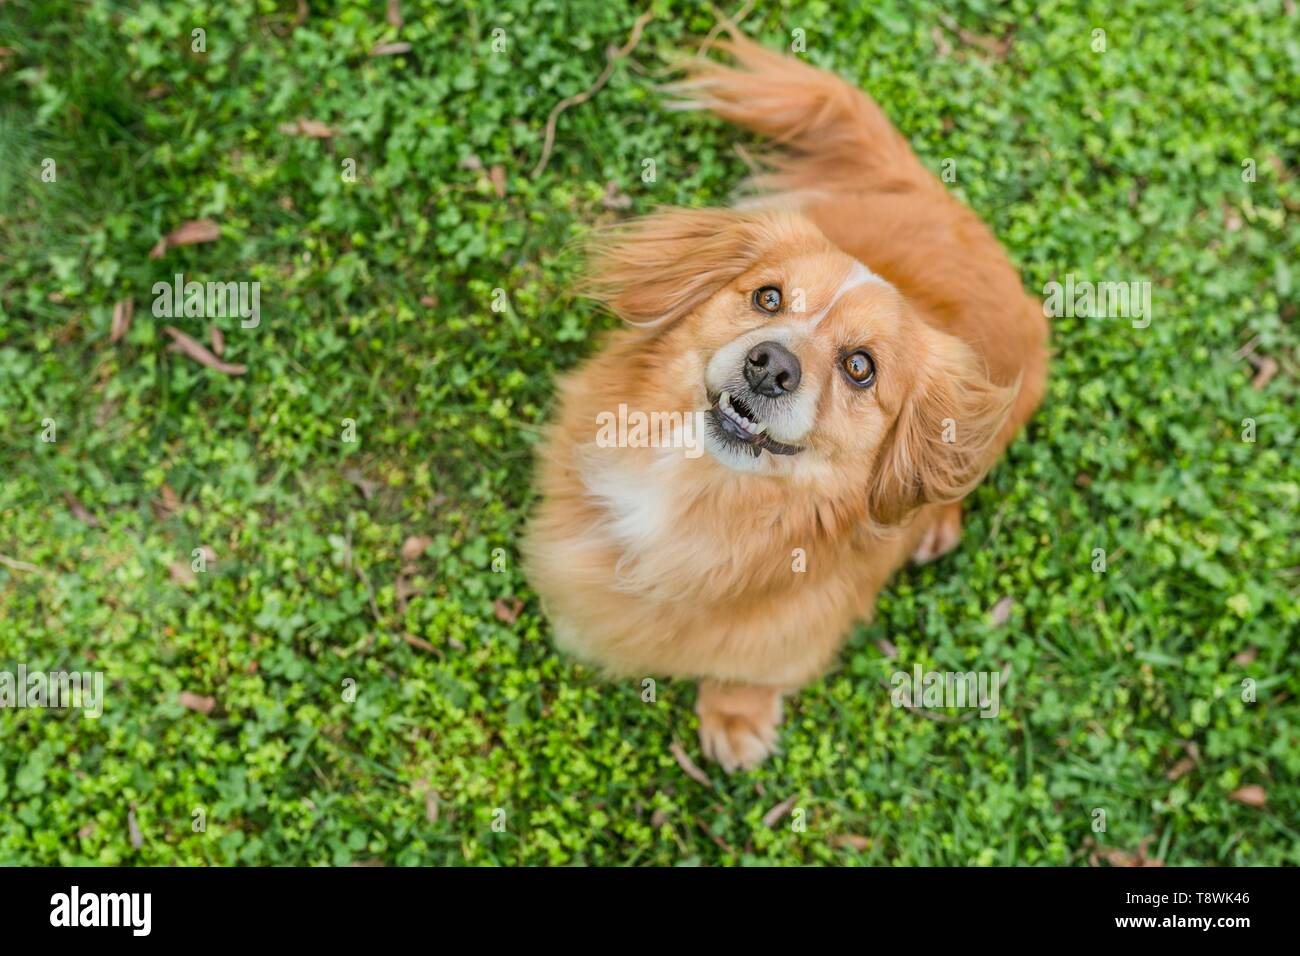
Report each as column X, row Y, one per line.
column 941, row 536
column 738, row 723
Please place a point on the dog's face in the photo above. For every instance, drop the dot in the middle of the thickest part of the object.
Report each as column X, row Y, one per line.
column 792, row 352
column 806, row 365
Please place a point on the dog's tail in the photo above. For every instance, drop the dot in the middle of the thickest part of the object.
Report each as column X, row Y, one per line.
column 830, row 136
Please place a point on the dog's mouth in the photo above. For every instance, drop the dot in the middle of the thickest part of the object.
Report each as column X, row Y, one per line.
column 736, row 424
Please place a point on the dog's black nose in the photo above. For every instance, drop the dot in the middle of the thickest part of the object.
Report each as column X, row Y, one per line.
column 771, row 369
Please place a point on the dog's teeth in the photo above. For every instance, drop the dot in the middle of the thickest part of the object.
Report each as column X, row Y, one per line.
column 725, row 406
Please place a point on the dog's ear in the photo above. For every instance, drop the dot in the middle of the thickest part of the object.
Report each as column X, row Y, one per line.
column 656, row 269
column 942, row 442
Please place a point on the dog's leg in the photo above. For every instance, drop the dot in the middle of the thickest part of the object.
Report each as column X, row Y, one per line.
column 738, row 723
column 942, row 531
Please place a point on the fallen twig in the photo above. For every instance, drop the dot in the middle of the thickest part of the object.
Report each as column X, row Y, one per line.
column 996, row 47
column 312, row 129
column 370, row 593
column 192, row 348
column 612, row 56
column 80, row 511
column 688, row 765
column 16, row 565
column 122, row 312
column 773, row 816
column 726, row 23
column 187, row 234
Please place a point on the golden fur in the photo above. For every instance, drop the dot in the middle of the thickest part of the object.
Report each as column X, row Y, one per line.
column 747, row 573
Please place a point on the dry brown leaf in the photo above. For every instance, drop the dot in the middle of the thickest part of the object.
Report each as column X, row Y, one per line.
column 79, row 510
column 168, row 499
column 391, row 49
column 182, row 573
column 197, row 702
column 312, row 129
column 996, row 47
column 362, row 483
column 1232, row 221
column 658, row 818
column 850, row 840
column 1122, row 858
column 777, row 812
column 188, row 346
column 87, row 830
column 187, row 234
column 941, row 44
column 431, row 807
column 1185, row 765
column 122, row 313
column 405, row 587
column 133, row 828
column 507, row 609
column 887, row 648
column 428, row 301
column 104, row 411
column 1264, row 374
column 1252, row 795
column 218, row 341
column 1246, row 657
column 394, row 14
column 303, row 11
column 1001, row 612
column 419, row 642
column 498, row 177
column 614, row 197
column 414, row 546
column 688, row 765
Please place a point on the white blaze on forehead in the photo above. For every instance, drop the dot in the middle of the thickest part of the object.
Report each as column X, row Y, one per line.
column 858, row 275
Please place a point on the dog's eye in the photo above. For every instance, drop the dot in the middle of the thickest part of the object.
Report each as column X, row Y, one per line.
column 859, row 367
column 768, row 299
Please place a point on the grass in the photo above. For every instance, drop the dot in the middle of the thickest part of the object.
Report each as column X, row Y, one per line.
column 377, row 306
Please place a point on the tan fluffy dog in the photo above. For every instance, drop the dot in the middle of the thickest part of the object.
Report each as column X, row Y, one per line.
column 831, row 371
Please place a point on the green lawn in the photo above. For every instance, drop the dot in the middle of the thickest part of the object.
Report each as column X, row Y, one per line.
column 377, row 306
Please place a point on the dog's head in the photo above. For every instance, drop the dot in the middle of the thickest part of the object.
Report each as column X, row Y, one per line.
column 806, row 365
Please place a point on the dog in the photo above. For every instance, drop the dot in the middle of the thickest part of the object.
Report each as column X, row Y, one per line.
column 857, row 351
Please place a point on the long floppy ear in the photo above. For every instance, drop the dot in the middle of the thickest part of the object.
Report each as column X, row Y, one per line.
column 654, row 270
column 945, row 437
